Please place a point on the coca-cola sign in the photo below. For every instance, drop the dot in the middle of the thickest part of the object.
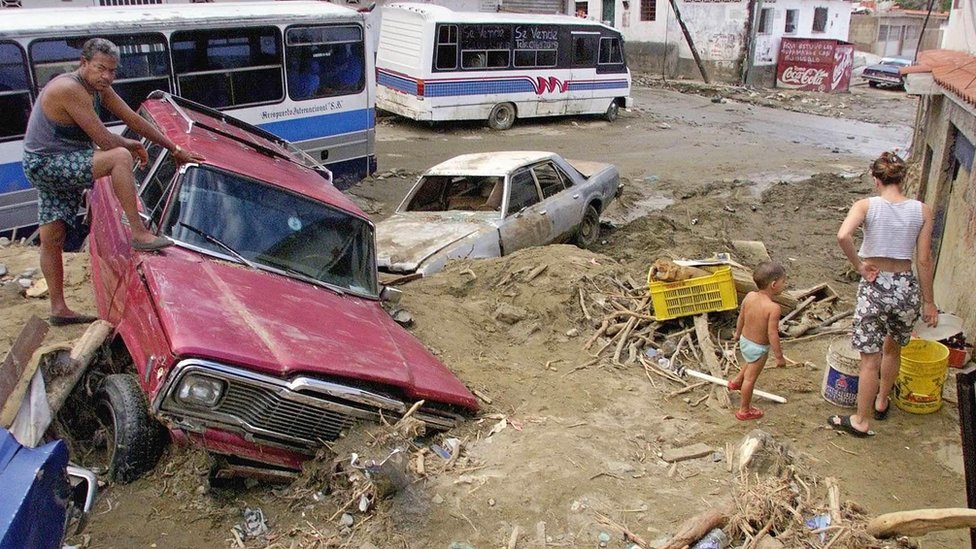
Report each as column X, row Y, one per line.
column 813, row 64
column 803, row 76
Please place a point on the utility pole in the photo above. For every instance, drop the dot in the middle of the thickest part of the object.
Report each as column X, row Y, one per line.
column 921, row 33
column 691, row 43
column 752, row 27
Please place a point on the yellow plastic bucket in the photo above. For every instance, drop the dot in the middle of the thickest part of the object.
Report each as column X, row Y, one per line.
column 924, row 364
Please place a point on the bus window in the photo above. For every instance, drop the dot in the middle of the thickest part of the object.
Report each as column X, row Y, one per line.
column 15, row 101
column 486, row 46
column 584, row 50
column 143, row 64
column 447, row 47
column 610, row 51
column 229, row 67
column 324, row 61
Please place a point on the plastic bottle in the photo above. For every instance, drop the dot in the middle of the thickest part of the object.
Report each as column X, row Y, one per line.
column 714, row 539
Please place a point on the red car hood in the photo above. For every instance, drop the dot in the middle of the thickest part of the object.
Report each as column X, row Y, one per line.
column 282, row 327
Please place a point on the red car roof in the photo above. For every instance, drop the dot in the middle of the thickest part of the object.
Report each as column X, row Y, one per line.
column 235, row 154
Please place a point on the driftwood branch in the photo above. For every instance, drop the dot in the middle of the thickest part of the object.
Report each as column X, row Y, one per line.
column 697, row 526
column 921, row 521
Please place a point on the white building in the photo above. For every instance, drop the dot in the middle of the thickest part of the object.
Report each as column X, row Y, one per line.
column 720, row 31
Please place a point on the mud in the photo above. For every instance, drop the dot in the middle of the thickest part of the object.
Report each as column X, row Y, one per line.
column 566, row 438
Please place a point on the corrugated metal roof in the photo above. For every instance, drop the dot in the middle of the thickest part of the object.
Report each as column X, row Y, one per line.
column 953, row 70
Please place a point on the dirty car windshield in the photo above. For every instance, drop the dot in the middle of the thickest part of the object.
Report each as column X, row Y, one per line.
column 273, row 228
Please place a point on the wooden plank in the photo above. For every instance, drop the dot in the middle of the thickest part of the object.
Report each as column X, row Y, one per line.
column 14, row 374
column 82, row 352
column 708, row 354
column 697, row 450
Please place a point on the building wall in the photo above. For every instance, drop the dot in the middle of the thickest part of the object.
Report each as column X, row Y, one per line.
column 864, row 31
column 955, row 272
column 719, row 30
column 960, row 34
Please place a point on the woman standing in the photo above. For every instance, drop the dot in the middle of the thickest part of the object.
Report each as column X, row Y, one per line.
column 888, row 296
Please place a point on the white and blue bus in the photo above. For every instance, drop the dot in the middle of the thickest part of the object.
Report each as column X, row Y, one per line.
column 435, row 64
column 300, row 70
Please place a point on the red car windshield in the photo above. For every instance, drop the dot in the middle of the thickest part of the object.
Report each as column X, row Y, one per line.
column 225, row 214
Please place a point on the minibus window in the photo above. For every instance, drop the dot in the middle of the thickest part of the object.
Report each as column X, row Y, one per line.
column 324, row 61
column 536, row 45
column 610, row 51
column 447, row 47
column 486, row 46
column 229, row 67
column 143, row 64
column 584, row 50
column 15, row 101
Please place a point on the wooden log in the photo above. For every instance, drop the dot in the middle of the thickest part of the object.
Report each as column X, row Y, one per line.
column 17, row 368
column 835, row 318
column 745, row 284
column 920, row 522
column 708, row 352
column 799, row 309
column 82, row 353
column 833, row 500
column 697, row 526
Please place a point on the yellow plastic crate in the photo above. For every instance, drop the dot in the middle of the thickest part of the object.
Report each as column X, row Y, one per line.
column 702, row 294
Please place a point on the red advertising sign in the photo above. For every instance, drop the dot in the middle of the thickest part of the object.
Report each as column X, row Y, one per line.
column 814, row 65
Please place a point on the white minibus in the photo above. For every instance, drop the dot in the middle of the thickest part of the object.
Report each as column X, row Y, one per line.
column 433, row 64
column 297, row 69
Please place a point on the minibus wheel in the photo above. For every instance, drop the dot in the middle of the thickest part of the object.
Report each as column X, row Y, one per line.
column 502, row 116
column 612, row 111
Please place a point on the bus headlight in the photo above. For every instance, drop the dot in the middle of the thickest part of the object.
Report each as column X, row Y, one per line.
column 199, row 390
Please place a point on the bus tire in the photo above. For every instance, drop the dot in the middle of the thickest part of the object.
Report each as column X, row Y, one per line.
column 502, row 116
column 588, row 231
column 612, row 111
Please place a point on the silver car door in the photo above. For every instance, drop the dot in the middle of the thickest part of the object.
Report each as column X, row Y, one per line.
column 561, row 199
column 527, row 221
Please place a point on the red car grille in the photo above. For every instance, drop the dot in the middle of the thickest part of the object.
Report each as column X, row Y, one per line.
column 265, row 411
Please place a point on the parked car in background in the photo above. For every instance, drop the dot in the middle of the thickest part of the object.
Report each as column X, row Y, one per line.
column 492, row 204
column 887, row 73
column 42, row 494
column 260, row 335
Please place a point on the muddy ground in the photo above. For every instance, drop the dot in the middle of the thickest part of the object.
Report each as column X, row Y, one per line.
column 566, row 438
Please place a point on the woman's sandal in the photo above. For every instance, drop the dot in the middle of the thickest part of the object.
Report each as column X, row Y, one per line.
column 843, row 423
column 882, row 415
column 753, row 413
column 733, row 385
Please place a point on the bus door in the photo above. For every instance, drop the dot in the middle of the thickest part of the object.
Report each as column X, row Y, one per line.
column 583, row 70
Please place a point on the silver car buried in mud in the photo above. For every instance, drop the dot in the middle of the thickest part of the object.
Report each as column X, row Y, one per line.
column 492, row 204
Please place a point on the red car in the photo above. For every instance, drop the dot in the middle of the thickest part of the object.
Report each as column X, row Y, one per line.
column 261, row 334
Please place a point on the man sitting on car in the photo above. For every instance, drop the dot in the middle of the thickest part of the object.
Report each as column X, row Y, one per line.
column 61, row 163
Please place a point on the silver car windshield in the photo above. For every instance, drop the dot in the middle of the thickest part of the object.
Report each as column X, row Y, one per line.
column 272, row 228
column 439, row 193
